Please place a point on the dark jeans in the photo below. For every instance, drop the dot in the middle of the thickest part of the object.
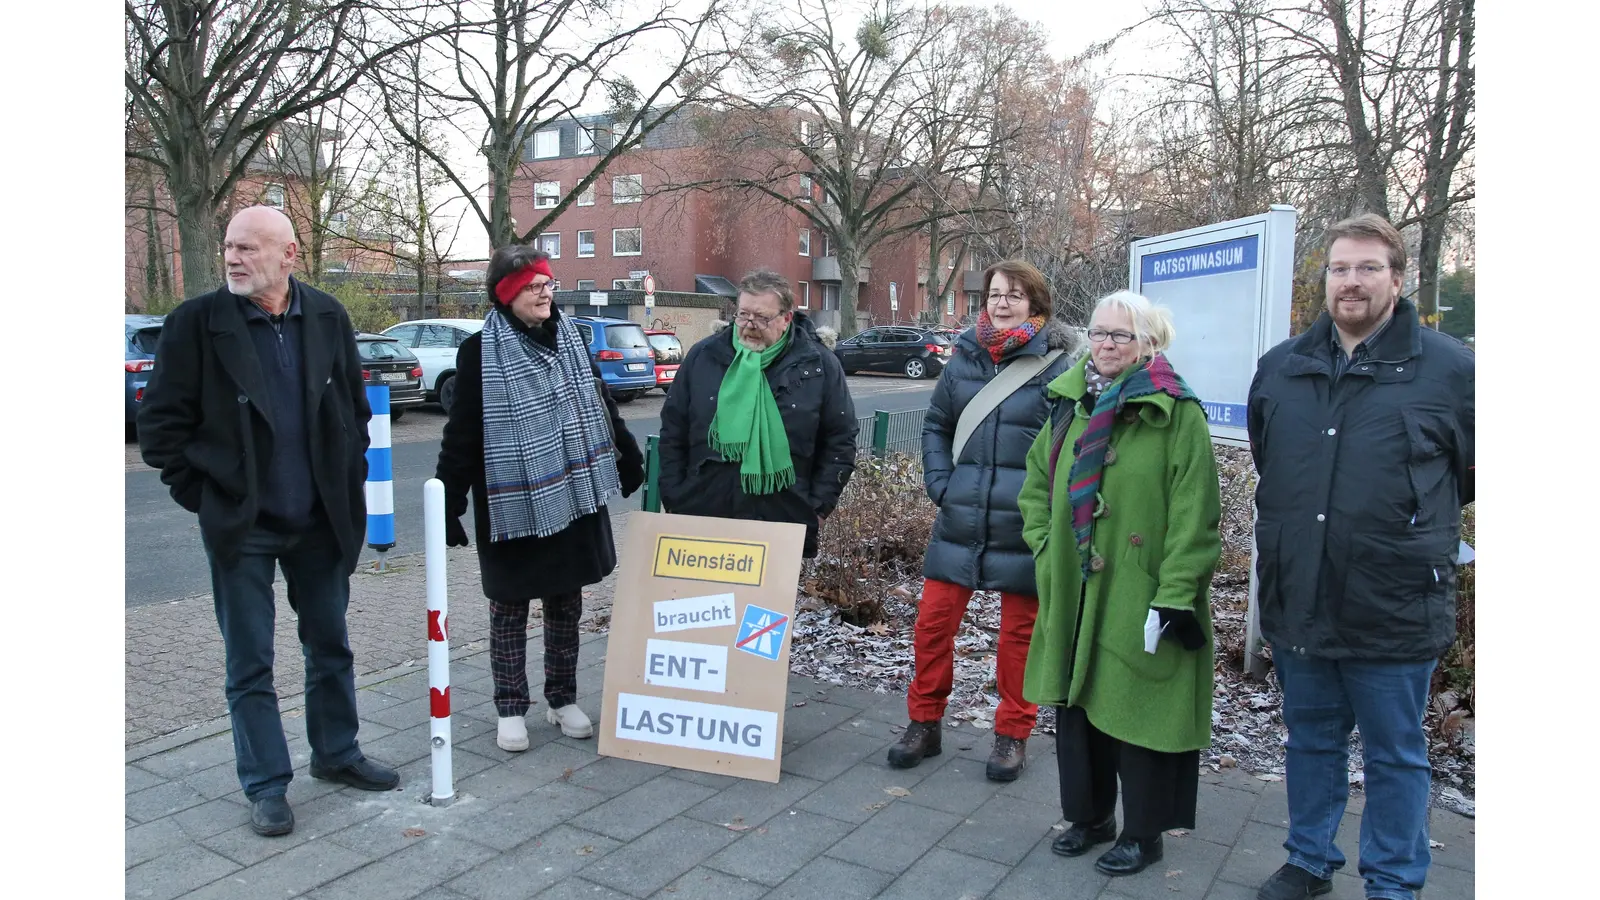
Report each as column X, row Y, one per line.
column 319, row 592
column 1323, row 700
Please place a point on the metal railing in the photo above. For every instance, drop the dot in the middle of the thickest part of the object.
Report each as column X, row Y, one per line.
column 877, row 435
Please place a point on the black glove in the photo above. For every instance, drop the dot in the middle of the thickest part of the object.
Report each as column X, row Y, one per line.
column 454, row 534
column 1180, row 625
column 631, row 472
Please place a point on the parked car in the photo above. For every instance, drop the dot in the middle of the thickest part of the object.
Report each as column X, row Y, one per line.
column 622, row 351
column 669, row 353
column 919, row 352
column 434, row 342
column 143, row 333
column 385, row 360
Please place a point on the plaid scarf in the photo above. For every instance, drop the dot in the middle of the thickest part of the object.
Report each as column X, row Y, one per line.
column 747, row 427
column 548, row 456
column 999, row 343
column 1089, row 452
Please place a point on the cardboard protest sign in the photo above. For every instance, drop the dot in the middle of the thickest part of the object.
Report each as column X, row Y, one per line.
column 697, row 664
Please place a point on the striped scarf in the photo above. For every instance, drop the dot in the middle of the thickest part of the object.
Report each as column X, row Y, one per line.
column 998, row 342
column 548, row 456
column 1089, row 452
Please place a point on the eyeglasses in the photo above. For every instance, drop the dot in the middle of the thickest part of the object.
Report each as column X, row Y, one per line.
column 1097, row 335
column 538, row 288
column 759, row 321
column 1012, row 299
column 1366, row 270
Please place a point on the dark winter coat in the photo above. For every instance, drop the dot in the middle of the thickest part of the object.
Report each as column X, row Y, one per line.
column 526, row 568
column 1361, row 486
column 977, row 538
column 818, row 416
column 207, row 422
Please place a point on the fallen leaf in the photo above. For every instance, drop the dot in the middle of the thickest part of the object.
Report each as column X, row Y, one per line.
column 1435, row 845
column 1269, row 777
column 873, row 807
column 801, row 703
column 585, row 850
column 731, row 826
column 1178, row 832
column 1174, row 873
column 413, row 832
column 1227, row 761
column 897, row 792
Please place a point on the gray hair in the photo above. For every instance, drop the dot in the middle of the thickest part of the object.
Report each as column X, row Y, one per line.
column 1152, row 324
column 766, row 281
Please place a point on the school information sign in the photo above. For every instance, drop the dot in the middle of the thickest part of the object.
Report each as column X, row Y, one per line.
column 1229, row 286
column 697, row 664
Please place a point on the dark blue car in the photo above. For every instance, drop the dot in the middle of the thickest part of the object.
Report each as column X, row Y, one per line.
column 143, row 333
column 623, row 353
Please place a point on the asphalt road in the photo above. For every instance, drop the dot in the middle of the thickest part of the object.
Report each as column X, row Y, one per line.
column 165, row 560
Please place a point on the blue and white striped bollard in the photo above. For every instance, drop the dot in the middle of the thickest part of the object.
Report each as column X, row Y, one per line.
column 380, row 475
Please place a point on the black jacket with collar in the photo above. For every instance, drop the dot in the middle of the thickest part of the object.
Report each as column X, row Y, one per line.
column 819, row 417
column 1362, row 481
column 206, row 420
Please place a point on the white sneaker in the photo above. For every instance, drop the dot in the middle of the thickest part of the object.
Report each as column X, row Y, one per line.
column 574, row 723
column 513, row 736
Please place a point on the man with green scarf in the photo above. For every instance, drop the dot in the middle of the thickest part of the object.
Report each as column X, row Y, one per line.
column 759, row 423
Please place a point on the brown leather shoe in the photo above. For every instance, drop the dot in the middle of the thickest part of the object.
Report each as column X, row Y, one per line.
column 920, row 740
column 1007, row 758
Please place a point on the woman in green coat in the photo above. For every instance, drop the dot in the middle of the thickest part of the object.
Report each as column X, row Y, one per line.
column 1120, row 507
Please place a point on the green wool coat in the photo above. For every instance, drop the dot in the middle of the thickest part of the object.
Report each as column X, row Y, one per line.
column 1158, row 536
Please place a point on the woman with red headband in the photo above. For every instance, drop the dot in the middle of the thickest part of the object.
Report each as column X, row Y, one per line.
column 537, row 439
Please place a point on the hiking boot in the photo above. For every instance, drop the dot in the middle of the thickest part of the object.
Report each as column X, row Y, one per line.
column 1077, row 840
column 1129, row 856
column 920, row 740
column 1007, row 758
column 1293, row 883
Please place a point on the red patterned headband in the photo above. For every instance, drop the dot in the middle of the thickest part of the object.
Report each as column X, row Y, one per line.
column 507, row 288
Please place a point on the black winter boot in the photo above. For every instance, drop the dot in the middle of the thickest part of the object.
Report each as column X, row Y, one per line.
column 920, row 740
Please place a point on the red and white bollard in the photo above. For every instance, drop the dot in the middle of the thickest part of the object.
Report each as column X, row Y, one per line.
column 444, row 790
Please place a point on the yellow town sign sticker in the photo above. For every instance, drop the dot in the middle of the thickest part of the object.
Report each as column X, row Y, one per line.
column 703, row 559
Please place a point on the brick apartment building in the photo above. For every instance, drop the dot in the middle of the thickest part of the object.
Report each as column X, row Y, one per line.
column 623, row 227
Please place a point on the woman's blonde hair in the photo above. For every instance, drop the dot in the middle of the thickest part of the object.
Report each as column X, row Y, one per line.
column 1152, row 324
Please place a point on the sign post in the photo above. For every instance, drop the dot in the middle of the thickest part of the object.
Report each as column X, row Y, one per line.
column 697, row 667
column 649, row 295
column 1229, row 286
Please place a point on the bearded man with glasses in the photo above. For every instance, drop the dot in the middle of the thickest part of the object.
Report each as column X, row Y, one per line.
column 759, row 423
column 1362, row 433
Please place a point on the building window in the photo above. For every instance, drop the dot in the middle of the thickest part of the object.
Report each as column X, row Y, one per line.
column 627, row 189
column 585, row 140
column 585, row 284
column 805, row 189
column 627, row 241
column 585, row 244
column 950, row 303
column 803, row 295
column 827, row 244
column 627, row 284
column 586, row 198
column 547, row 143
column 272, row 195
column 805, row 242
column 806, row 132
column 546, row 194
column 551, row 244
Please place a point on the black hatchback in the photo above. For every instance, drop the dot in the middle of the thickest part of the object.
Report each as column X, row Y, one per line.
column 386, row 361
column 915, row 352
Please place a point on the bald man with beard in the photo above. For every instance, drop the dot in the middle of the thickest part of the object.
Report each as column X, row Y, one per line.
column 256, row 416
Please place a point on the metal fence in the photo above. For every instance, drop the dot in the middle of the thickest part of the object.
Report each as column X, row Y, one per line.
column 877, row 435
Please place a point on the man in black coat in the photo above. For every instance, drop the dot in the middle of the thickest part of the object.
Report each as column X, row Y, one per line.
column 808, row 384
column 256, row 416
column 1362, row 433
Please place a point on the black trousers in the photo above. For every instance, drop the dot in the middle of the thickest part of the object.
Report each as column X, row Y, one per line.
column 508, row 652
column 1159, row 790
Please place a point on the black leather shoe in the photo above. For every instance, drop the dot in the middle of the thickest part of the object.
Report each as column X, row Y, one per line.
column 1077, row 840
column 1293, row 883
column 363, row 774
column 1130, row 855
column 922, row 739
column 271, row 816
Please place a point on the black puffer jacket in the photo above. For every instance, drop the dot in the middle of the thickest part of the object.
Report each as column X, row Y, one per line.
column 1362, row 481
column 977, row 539
column 818, row 416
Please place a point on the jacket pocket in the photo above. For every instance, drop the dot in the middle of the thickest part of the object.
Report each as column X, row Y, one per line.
column 1396, row 586
column 1428, row 466
column 1121, row 633
column 1269, row 592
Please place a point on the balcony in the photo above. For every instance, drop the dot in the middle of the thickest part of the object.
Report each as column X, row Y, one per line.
column 826, row 269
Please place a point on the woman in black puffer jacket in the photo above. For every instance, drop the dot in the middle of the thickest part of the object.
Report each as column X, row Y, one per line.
column 977, row 540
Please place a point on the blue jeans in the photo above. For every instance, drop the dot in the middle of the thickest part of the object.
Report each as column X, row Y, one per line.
column 319, row 592
column 1322, row 701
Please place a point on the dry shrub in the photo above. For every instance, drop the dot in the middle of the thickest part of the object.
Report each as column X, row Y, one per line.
column 1454, row 684
column 874, row 540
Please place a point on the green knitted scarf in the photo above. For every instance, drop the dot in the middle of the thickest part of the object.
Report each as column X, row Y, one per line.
column 747, row 427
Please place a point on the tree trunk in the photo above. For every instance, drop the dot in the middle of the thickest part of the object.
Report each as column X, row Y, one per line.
column 1428, row 272
column 197, row 235
column 849, row 290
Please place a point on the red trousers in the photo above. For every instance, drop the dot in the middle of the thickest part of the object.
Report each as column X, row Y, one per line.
column 938, row 619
